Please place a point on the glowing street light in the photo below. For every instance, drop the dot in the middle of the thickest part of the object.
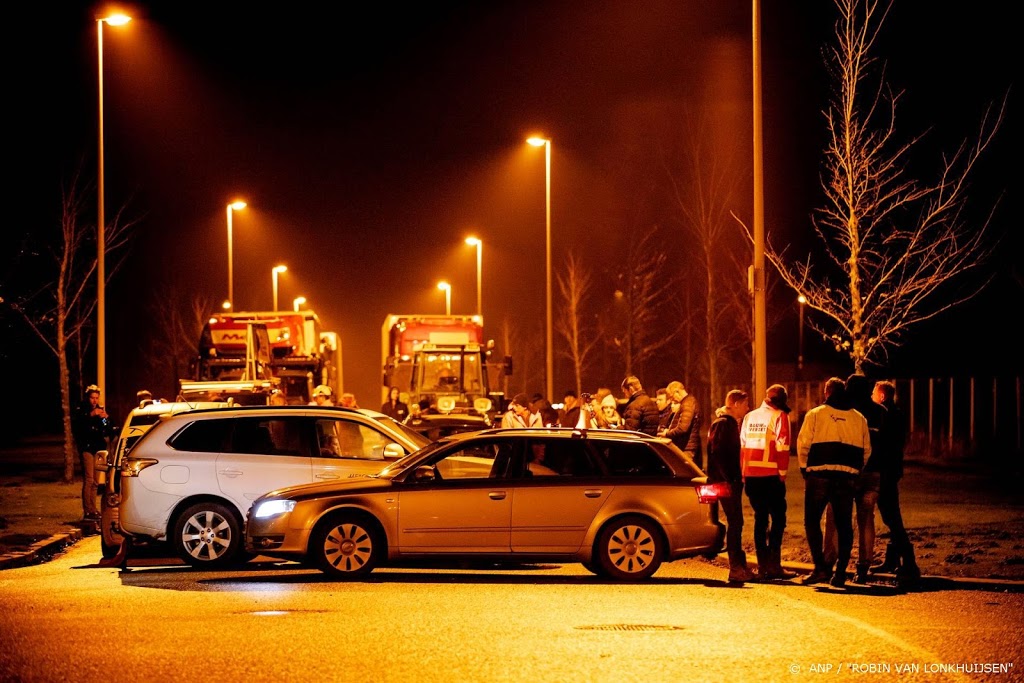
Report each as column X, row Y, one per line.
column 478, row 243
column 230, row 303
column 447, row 296
column 273, row 275
column 101, row 240
column 548, row 357
column 298, row 301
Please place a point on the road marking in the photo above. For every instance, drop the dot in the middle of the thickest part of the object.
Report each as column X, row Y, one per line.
column 922, row 654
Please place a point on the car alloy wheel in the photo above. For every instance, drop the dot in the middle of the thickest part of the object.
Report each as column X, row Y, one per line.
column 208, row 535
column 629, row 548
column 346, row 546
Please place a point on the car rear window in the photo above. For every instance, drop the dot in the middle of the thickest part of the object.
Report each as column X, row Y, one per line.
column 258, row 436
column 631, row 459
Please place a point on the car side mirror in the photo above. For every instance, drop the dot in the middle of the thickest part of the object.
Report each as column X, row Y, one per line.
column 393, row 452
column 423, row 473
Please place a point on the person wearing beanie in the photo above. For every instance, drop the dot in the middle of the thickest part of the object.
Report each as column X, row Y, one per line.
column 764, row 455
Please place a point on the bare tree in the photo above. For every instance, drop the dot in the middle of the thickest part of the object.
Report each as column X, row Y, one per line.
column 703, row 188
column 171, row 352
column 60, row 311
column 574, row 284
column 895, row 246
column 644, row 284
column 527, row 353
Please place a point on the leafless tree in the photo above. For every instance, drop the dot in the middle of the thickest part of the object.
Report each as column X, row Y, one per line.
column 526, row 347
column 897, row 249
column 704, row 188
column 171, row 351
column 574, row 283
column 60, row 311
column 645, row 285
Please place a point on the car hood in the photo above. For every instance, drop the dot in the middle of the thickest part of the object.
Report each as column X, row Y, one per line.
column 333, row 488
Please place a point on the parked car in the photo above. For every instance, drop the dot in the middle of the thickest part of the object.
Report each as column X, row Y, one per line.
column 191, row 478
column 439, row 425
column 137, row 423
column 618, row 502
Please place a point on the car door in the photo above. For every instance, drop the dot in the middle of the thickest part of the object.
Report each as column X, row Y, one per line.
column 557, row 494
column 263, row 454
column 348, row 447
column 466, row 508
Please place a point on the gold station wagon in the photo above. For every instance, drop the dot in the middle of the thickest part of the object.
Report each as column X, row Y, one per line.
column 618, row 502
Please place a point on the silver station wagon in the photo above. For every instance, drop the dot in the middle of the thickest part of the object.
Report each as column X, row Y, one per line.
column 618, row 502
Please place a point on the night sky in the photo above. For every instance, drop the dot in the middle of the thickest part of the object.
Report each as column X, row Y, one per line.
column 370, row 142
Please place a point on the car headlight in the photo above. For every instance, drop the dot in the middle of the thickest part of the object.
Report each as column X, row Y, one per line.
column 270, row 508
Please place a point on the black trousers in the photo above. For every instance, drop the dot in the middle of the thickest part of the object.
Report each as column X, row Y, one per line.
column 767, row 497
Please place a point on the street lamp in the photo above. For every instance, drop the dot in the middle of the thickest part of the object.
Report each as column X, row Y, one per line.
column 298, row 301
column 101, row 240
column 230, row 303
column 546, row 144
column 800, row 344
column 478, row 243
column 447, row 296
column 273, row 275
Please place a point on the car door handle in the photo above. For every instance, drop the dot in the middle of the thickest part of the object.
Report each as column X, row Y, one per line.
column 232, row 473
column 593, row 493
column 327, row 475
column 497, row 495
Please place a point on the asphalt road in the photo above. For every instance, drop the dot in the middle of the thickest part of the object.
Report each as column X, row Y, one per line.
column 68, row 620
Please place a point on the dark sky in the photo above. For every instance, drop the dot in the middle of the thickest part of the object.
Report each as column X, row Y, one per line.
column 370, row 142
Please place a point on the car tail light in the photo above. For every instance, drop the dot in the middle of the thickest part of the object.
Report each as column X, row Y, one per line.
column 132, row 466
column 710, row 493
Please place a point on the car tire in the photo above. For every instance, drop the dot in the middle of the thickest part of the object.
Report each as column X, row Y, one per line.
column 208, row 536
column 629, row 549
column 346, row 546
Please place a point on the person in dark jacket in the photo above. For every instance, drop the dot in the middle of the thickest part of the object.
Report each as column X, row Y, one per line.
column 724, row 466
column 684, row 427
column 899, row 552
column 858, row 392
column 91, row 426
column 640, row 413
column 394, row 406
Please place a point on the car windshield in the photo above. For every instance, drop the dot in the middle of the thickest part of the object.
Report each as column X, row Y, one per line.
column 413, row 436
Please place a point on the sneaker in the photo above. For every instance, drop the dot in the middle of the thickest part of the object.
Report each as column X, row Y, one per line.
column 839, row 580
column 740, row 575
column 862, row 575
column 816, row 576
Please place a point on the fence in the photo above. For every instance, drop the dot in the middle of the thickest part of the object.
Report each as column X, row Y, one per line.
column 947, row 416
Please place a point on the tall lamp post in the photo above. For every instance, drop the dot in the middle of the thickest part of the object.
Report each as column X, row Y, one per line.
column 298, row 301
column 757, row 270
column 549, row 360
column 447, row 296
column 478, row 243
column 800, row 343
column 101, row 239
column 277, row 270
column 230, row 303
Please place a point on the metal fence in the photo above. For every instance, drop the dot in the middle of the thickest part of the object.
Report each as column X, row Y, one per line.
column 948, row 417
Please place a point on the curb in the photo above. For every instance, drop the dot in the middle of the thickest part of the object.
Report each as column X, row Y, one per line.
column 926, row 583
column 40, row 551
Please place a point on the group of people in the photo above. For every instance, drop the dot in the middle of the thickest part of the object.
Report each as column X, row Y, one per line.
column 849, row 450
